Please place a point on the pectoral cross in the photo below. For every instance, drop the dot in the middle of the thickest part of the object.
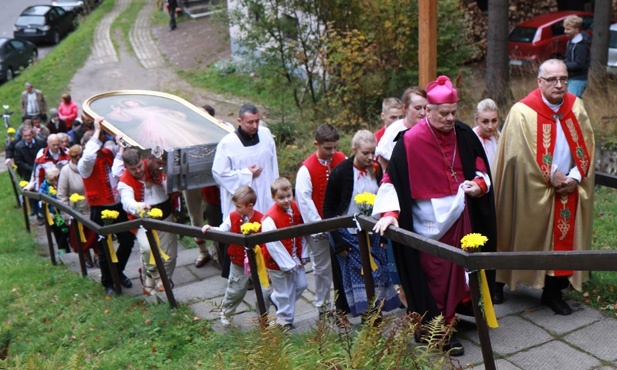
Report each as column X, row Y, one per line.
column 453, row 174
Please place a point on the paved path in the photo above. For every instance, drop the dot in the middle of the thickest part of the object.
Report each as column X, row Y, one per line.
column 530, row 336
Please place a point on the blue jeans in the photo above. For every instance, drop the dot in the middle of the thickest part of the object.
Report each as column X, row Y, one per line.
column 577, row 87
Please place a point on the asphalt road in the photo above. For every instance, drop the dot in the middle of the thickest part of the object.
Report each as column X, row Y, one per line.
column 10, row 11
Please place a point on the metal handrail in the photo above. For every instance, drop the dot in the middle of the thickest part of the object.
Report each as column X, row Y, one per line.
column 543, row 260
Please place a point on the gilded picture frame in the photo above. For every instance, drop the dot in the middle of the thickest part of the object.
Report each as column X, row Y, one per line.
column 149, row 119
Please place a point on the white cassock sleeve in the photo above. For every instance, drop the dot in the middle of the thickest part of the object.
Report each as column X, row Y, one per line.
column 386, row 200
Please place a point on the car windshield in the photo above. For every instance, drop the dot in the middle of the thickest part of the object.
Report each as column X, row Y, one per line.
column 522, row 34
column 25, row 20
column 613, row 42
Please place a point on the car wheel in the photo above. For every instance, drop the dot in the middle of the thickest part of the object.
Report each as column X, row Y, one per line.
column 55, row 37
column 33, row 57
column 9, row 74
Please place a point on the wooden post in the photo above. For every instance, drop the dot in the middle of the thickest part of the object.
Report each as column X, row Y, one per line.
column 50, row 243
column 427, row 41
column 154, row 249
column 485, row 339
column 365, row 252
column 24, row 208
column 261, row 302
column 80, row 252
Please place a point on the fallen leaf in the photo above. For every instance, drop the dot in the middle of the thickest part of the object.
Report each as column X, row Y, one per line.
column 148, row 322
column 106, row 311
column 195, row 318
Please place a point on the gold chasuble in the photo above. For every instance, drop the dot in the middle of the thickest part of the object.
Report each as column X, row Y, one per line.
column 531, row 215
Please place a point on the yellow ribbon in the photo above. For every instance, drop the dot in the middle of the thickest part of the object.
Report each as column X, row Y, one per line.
column 370, row 256
column 27, row 201
column 487, row 303
column 261, row 267
column 82, row 236
column 164, row 256
column 50, row 219
column 112, row 251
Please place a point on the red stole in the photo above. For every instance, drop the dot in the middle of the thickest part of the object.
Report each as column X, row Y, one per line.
column 99, row 191
column 429, row 168
column 319, row 177
column 565, row 204
column 236, row 252
column 281, row 220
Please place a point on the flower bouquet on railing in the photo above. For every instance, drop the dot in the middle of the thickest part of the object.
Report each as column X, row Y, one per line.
column 108, row 217
column 75, row 200
column 10, row 133
column 156, row 214
column 23, row 184
column 473, row 243
column 365, row 202
column 248, row 229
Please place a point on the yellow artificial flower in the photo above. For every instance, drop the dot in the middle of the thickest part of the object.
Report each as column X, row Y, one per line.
column 76, row 198
column 14, row 166
column 473, row 242
column 23, row 183
column 10, row 131
column 52, row 191
column 365, row 198
column 155, row 213
column 142, row 213
column 250, row 228
column 107, row 214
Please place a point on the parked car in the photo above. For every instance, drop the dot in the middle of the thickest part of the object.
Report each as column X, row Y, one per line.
column 535, row 40
column 77, row 6
column 15, row 55
column 612, row 50
column 44, row 23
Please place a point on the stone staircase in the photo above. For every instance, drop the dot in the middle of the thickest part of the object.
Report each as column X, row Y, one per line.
column 202, row 290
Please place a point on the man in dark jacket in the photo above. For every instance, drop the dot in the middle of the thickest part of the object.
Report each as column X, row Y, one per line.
column 577, row 54
column 25, row 152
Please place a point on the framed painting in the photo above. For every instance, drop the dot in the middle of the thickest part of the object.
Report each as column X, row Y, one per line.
column 155, row 121
column 150, row 119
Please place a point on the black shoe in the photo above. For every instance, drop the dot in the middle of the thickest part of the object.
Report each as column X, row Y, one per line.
column 559, row 306
column 464, row 309
column 125, row 281
column 498, row 294
column 89, row 264
column 110, row 291
column 454, row 348
column 250, row 285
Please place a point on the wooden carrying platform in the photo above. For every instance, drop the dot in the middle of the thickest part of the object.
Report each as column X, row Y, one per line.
column 155, row 121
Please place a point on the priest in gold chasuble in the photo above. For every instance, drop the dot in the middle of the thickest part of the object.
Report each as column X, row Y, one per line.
column 544, row 182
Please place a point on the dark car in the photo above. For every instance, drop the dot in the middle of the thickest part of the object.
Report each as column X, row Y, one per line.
column 535, row 40
column 15, row 55
column 44, row 23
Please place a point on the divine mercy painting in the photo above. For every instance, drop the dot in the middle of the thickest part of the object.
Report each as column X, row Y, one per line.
column 151, row 119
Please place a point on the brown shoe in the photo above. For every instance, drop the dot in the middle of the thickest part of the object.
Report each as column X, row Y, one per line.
column 202, row 260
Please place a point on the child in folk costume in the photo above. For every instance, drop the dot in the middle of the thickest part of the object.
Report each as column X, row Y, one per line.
column 285, row 259
column 244, row 199
column 357, row 175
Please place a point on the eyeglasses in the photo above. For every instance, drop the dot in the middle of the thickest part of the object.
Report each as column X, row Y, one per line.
column 553, row 80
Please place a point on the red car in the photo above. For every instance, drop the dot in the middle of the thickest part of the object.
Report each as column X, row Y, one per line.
column 538, row 39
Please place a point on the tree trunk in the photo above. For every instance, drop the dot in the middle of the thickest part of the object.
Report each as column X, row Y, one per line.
column 599, row 51
column 497, row 67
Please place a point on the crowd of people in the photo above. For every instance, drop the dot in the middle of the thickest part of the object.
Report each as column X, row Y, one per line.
column 528, row 186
